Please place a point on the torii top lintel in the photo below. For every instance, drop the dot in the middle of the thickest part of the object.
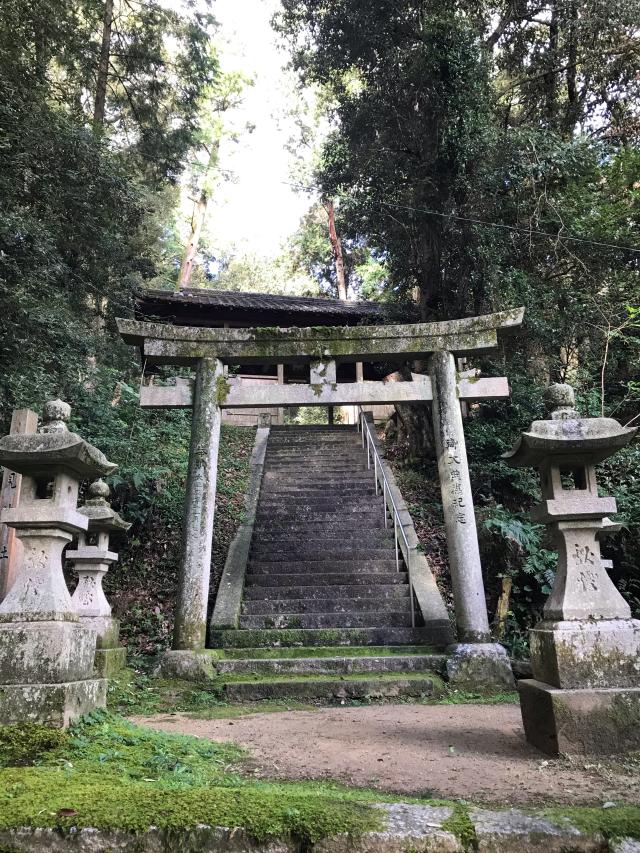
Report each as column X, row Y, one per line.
column 166, row 344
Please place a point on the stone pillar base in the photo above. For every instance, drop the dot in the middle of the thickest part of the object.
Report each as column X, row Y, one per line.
column 45, row 652
column 583, row 653
column 109, row 662
column 51, row 704
column 189, row 664
column 480, row 667
column 590, row 721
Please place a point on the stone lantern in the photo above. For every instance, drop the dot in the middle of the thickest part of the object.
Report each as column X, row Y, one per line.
column 91, row 560
column 46, row 652
column 585, row 692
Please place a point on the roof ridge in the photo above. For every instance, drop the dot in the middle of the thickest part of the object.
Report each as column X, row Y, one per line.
column 240, row 294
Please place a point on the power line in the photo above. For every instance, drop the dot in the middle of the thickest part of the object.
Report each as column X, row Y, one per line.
column 489, row 224
column 519, row 228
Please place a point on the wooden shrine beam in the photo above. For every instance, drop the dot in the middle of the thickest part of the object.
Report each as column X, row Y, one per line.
column 419, row 390
column 165, row 344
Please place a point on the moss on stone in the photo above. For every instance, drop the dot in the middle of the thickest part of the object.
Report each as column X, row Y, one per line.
column 223, row 387
column 615, row 822
column 461, row 825
column 327, row 651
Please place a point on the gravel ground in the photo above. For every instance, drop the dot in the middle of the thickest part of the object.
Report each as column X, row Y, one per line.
column 475, row 752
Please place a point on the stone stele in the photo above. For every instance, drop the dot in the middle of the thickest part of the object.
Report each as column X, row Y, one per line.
column 46, row 652
column 91, row 560
column 585, row 694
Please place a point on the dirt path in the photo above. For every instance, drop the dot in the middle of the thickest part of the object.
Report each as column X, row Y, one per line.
column 475, row 752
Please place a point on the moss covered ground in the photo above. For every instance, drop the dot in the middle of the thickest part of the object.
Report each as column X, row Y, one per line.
column 106, row 772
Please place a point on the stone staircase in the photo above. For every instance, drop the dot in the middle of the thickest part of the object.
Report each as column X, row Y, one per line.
column 326, row 610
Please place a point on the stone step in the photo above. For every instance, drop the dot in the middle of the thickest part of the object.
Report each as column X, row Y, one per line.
column 361, row 517
column 325, row 551
column 376, row 591
column 321, row 454
column 332, row 689
column 315, row 529
column 315, row 568
column 317, row 502
column 302, row 460
column 269, row 638
column 313, row 557
column 344, row 490
column 341, row 665
column 391, row 619
column 315, row 505
column 365, row 576
column 277, row 538
column 317, row 480
column 334, row 604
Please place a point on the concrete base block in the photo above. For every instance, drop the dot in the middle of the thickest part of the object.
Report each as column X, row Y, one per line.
column 587, row 722
column 107, row 630
column 479, row 667
column 188, row 664
column 51, row 704
column 45, row 652
column 109, row 662
column 603, row 653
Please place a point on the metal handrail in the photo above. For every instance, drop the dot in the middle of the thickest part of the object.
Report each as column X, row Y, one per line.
column 389, row 503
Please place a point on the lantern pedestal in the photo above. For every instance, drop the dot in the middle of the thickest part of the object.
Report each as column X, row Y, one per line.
column 92, row 559
column 584, row 697
column 46, row 652
column 580, row 722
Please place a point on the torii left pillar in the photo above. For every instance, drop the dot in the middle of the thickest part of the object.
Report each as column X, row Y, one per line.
column 193, row 592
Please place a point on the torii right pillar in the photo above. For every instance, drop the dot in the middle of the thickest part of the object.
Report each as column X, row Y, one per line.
column 475, row 661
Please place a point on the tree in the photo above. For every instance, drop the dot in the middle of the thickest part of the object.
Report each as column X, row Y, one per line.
column 224, row 97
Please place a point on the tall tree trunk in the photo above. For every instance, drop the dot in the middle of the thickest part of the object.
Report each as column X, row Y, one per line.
column 336, row 245
column 194, row 238
column 551, row 78
column 103, row 66
column 197, row 222
column 573, row 107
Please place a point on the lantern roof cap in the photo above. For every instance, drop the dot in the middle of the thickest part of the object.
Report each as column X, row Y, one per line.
column 566, row 435
column 54, row 449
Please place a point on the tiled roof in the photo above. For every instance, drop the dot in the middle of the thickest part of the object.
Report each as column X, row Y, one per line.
column 257, row 302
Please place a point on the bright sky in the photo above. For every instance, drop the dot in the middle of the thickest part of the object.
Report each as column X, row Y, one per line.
column 258, row 211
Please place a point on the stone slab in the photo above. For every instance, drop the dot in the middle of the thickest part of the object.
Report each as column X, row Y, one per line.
column 51, row 704
column 45, row 652
column 581, row 654
column 409, row 828
column 586, row 722
column 109, row 662
column 189, row 665
column 107, row 630
column 226, row 611
column 507, row 831
column 479, row 667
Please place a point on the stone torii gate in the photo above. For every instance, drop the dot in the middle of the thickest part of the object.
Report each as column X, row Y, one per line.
column 208, row 350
